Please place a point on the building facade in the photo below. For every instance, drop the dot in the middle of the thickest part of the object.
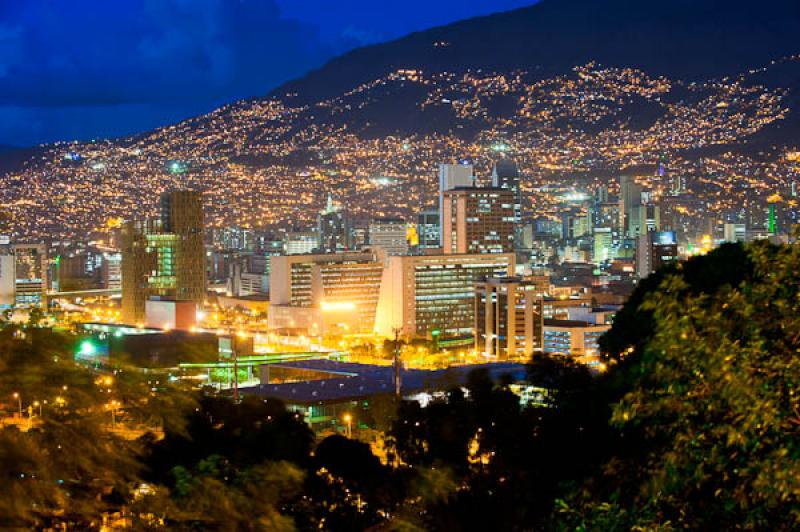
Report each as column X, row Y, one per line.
column 655, row 250
column 389, row 236
column 164, row 257
column 428, row 293
column 478, row 220
column 452, row 176
column 509, row 318
column 30, row 275
column 505, row 174
column 428, row 230
column 573, row 338
column 333, row 229
column 336, row 292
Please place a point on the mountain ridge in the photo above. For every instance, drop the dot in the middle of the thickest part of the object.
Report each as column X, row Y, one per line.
column 743, row 34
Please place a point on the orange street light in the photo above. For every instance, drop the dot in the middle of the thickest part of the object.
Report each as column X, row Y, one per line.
column 18, row 397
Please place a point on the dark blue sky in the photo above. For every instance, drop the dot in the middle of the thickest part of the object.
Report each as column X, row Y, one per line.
column 77, row 69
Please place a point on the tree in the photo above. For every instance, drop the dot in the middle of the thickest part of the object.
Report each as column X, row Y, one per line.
column 246, row 434
column 730, row 264
column 66, row 468
column 35, row 317
column 714, row 406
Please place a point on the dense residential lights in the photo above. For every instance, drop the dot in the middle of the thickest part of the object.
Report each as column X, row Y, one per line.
column 474, row 279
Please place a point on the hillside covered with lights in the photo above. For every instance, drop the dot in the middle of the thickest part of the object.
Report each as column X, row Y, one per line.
column 575, row 90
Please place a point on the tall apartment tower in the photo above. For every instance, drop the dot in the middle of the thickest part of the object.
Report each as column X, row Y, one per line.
column 452, row 176
column 505, row 174
column 182, row 216
column 478, row 220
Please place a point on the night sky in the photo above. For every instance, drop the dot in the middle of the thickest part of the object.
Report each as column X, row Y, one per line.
column 78, row 69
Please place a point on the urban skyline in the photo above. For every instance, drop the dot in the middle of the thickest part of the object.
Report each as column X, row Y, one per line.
column 459, row 280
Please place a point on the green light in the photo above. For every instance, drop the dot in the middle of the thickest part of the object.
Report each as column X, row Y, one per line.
column 87, row 349
column 773, row 225
column 436, row 332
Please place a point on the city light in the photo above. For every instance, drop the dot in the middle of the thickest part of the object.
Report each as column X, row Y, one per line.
column 328, row 306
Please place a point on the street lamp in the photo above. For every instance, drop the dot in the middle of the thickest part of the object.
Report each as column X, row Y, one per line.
column 112, row 405
column 18, row 397
column 348, row 419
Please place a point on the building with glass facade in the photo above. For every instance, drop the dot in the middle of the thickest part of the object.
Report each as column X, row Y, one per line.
column 164, row 257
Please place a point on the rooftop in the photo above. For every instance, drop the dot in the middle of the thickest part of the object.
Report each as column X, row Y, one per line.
column 364, row 380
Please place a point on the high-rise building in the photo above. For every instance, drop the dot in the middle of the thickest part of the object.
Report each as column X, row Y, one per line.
column 148, row 266
column 478, row 220
column 389, row 236
column 505, row 174
column 452, row 176
column 333, row 229
column 164, row 257
column 642, row 219
column 322, row 292
column 603, row 245
column 111, row 270
column 654, row 250
column 434, row 294
column 182, row 216
column 429, row 230
column 30, row 275
column 8, row 277
column 630, row 196
column 509, row 318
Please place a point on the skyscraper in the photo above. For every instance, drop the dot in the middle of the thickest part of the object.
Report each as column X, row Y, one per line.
column 642, row 219
column 505, row 174
column 182, row 216
column 333, row 229
column 450, row 177
column 630, row 196
column 478, row 220
column 164, row 257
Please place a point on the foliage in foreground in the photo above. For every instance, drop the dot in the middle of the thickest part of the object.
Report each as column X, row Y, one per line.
column 695, row 427
column 714, row 401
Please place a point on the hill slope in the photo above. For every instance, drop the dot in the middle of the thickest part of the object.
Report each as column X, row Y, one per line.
column 575, row 90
